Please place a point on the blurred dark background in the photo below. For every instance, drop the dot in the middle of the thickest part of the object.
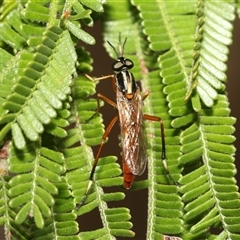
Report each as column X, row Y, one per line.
column 136, row 201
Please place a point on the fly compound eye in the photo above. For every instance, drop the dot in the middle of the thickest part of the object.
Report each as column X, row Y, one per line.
column 117, row 66
column 128, row 63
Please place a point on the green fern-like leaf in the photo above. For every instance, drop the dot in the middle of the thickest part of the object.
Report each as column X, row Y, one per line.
column 213, row 182
column 62, row 223
column 162, row 194
column 32, row 104
column 214, row 22
column 8, row 65
column 38, row 169
column 179, row 52
column 9, row 35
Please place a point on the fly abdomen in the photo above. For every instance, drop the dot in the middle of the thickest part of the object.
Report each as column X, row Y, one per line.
column 128, row 177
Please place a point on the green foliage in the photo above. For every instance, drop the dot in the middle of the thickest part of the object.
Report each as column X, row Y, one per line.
column 179, row 52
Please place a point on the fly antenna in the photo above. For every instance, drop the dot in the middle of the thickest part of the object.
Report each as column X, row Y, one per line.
column 117, row 54
column 121, row 46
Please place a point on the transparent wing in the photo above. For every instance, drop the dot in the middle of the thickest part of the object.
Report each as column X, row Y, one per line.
column 134, row 146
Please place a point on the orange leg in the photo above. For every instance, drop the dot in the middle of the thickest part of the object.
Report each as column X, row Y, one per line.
column 104, row 137
column 157, row 119
column 100, row 96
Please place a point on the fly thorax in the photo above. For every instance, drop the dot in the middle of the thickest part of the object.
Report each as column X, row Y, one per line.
column 126, row 83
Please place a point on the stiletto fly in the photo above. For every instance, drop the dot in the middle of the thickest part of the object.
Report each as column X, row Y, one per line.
column 129, row 103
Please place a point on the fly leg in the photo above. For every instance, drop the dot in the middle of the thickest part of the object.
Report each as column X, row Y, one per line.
column 105, row 99
column 157, row 119
column 99, row 78
column 100, row 96
column 103, row 78
column 104, row 137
